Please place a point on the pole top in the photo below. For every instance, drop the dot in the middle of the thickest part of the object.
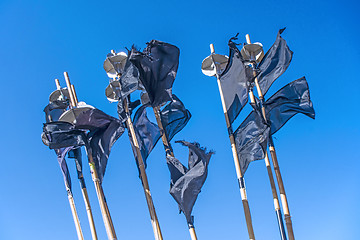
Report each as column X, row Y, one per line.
column 247, row 36
column 212, row 49
column 57, row 82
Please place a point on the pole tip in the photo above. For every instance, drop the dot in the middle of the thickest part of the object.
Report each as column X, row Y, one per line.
column 57, row 82
column 212, row 49
column 247, row 36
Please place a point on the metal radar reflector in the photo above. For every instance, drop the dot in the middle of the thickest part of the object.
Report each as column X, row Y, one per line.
column 214, row 64
column 60, row 94
column 252, row 52
column 71, row 114
column 112, row 91
column 114, row 64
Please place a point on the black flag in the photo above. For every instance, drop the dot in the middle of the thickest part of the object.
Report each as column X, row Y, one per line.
column 129, row 82
column 275, row 62
column 147, row 133
column 61, row 154
column 157, row 65
column 104, row 131
column 186, row 183
column 235, row 82
column 287, row 102
column 76, row 155
column 63, row 134
column 251, row 139
column 253, row 134
column 174, row 117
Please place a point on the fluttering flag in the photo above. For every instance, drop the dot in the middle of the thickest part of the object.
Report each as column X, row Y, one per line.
column 147, row 133
column 61, row 154
column 235, row 82
column 287, row 102
column 63, row 134
column 251, row 139
column 76, row 155
column 253, row 134
column 157, row 66
column 276, row 61
column 54, row 110
column 186, row 183
column 104, row 131
column 174, row 117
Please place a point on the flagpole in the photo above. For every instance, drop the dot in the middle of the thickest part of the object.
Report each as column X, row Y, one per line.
column 236, row 160
column 272, row 184
column 74, row 214
column 99, row 191
column 169, row 152
column 283, row 197
column 143, row 176
column 83, row 188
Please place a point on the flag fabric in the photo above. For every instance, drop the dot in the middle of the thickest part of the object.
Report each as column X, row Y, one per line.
column 54, row 110
column 274, row 63
column 147, row 133
column 129, row 82
column 63, row 134
column 287, row 102
column 253, row 134
column 61, row 154
column 185, row 182
column 235, row 82
column 251, row 139
column 174, row 117
column 104, row 131
column 157, row 66
column 76, row 155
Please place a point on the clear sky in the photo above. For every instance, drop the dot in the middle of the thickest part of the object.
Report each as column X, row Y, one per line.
column 39, row 40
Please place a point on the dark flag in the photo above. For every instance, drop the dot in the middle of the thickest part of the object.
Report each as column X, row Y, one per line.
column 104, row 131
column 274, row 63
column 287, row 102
column 129, row 82
column 157, row 65
column 252, row 136
column 147, row 133
column 54, row 110
column 186, row 183
column 76, row 155
column 251, row 139
column 235, row 82
column 63, row 134
column 174, row 117
column 61, row 154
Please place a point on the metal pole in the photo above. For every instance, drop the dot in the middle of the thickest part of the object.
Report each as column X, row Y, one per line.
column 99, row 191
column 169, row 152
column 276, row 165
column 143, row 176
column 236, row 161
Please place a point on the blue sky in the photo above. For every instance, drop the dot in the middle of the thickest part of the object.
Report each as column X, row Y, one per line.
column 39, row 40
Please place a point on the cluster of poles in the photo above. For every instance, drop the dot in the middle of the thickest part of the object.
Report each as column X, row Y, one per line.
column 240, row 176
column 118, row 67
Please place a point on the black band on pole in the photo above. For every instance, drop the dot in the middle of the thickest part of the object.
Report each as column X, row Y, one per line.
column 82, row 183
column 241, row 183
column 281, row 224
